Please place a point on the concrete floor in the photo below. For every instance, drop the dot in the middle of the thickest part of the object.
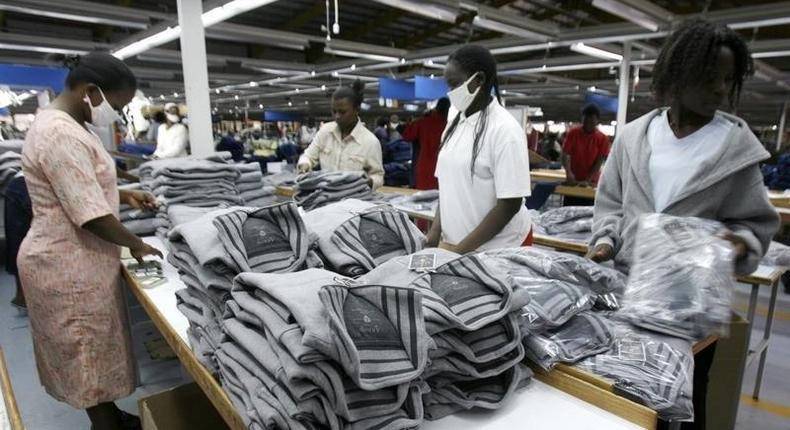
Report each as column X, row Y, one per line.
column 41, row 412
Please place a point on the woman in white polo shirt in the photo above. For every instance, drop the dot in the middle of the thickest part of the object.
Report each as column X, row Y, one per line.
column 483, row 166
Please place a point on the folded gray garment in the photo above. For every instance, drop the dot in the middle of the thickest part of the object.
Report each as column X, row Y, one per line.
column 253, row 177
column 150, row 166
column 209, row 188
column 455, row 364
column 191, row 168
column 453, row 394
column 203, row 240
column 208, row 278
column 319, row 180
column 396, row 351
column 127, row 213
column 197, row 198
column 482, row 345
column 262, row 202
column 197, row 307
column 250, row 186
column 356, row 236
column 281, row 178
column 268, row 240
column 311, row 200
column 257, row 194
column 164, row 181
column 203, row 351
column 248, row 167
column 552, row 304
column 566, row 219
column 778, row 255
column 584, row 335
column 145, row 227
column 466, row 294
column 396, row 271
column 179, row 214
column 322, row 378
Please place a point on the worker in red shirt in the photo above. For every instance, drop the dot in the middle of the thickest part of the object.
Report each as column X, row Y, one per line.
column 583, row 153
column 425, row 134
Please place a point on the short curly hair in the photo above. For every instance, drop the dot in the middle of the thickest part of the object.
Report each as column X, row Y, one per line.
column 689, row 55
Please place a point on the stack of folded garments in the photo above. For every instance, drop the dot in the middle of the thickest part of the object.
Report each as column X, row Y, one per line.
column 653, row 369
column 140, row 221
column 569, row 222
column 584, row 335
column 682, row 277
column 561, row 285
column 191, row 182
column 284, row 178
column 356, row 236
column 778, row 255
column 421, row 201
column 252, row 188
column 214, row 247
column 317, row 189
column 471, row 314
column 10, row 165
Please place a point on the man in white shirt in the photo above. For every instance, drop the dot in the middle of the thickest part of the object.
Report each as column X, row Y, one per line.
column 172, row 138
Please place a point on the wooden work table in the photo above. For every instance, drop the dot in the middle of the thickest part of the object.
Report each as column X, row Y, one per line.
column 9, row 415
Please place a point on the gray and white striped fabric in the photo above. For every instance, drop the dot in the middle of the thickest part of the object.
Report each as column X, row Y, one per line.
column 380, row 332
column 586, row 334
column 553, row 303
column 268, row 240
column 466, row 294
column 482, row 345
column 456, row 364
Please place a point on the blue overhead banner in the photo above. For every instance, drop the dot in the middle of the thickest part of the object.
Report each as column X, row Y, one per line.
column 33, row 76
column 396, row 89
column 426, row 88
column 605, row 103
column 273, row 116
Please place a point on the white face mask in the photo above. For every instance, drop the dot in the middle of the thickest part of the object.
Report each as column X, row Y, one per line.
column 173, row 117
column 460, row 97
column 102, row 115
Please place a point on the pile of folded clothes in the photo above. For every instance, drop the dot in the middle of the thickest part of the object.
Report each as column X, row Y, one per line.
column 320, row 350
column 778, row 255
column 251, row 186
column 284, row 178
column 682, row 278
column 317, row 189
column 10, row 165
column 213, row 247
column 355, row 236
column 569, row 222
column 651, row 368
column 140, row 221
column 194, row 182
column 422, row 201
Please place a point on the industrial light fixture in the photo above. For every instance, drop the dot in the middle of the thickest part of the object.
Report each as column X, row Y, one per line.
column 175, row 94
column 214, row 16
column 236, row 97
column 771, row 54
column 260, row 106
column 565, row 68
column 44, row 49
column 496, row 25
column 253, row 84
column 628, row 13
column 760, row 23
column 581, row 48
column 420, row 8
column 39, row 11
column 355, row 54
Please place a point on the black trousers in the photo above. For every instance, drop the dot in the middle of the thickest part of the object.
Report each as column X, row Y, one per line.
column 702, row 364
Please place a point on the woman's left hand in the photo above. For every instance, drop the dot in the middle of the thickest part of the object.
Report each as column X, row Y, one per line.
column 740, row 245
column 141, row 200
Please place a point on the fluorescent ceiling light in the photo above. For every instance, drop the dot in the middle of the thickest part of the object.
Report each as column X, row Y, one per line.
column 231, row 9
column 771, row 54
column 420, row 8
column 44, row 49
column 595, row 52
column 760, row 23
column 628, row 13
column 74, row 17
column 493, row 25
column 167, row 35
column 566, row 68
column 354, row 54
column 361, row 78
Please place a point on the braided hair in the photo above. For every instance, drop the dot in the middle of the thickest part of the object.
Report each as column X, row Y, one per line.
column 355, row 93
column 689, row 55
column 100, row 68
column 472, row 59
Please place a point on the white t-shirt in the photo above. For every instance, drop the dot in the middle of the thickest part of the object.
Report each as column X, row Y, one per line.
column 171, row 142
column 674, row 161
column 501, row 172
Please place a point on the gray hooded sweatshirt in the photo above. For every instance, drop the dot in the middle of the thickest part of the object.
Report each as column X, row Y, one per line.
column 727, row 188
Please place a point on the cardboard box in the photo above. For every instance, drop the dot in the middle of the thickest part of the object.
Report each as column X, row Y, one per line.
column 726, row 376
column 182, row 408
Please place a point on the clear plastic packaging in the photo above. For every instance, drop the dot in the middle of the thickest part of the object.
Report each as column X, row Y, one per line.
column 682, row 278
column 778, row 255
column 552, row 303
column 568, row 219
column 586, row 334
column 652, row 369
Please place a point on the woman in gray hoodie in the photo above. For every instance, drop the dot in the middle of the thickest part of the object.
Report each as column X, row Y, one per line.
column 689, row 159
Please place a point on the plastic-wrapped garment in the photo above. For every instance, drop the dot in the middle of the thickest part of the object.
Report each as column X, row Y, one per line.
column 778, row 255
column 552, row 304
column 682, row 278
column 568, row 219
column 655, row 370
column 584, row 335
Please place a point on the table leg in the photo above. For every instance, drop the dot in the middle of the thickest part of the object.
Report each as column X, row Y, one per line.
column 769, row 322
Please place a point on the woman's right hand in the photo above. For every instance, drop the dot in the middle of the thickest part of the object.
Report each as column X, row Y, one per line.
column 303, row 167
column 601, row 253
column 144, row 249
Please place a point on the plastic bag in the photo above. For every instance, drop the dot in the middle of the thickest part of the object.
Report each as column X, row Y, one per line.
column 566, row 219
column 682, row 278
column 778, row 255
column 584, row 335
column 652, row 369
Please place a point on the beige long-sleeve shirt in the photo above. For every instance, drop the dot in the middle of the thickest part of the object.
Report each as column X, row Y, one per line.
column 359, row 151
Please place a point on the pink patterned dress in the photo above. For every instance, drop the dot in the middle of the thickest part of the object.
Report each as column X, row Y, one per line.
column 71, row 277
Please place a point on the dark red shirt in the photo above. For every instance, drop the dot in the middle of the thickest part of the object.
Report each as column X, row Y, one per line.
column 584, row 149
column 427, row 134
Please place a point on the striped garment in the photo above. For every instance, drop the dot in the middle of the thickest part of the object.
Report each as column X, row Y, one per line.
column 453, row 394
column 380, row 333
column 466, row 294
column 584, row 335
column 553, row 303
column 480, row 346
column 268, row 240
column 456, row 364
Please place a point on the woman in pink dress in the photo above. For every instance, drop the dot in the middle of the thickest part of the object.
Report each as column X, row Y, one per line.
column 69, row 262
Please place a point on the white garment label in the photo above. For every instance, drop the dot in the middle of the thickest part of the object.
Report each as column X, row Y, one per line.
column 422, row 262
